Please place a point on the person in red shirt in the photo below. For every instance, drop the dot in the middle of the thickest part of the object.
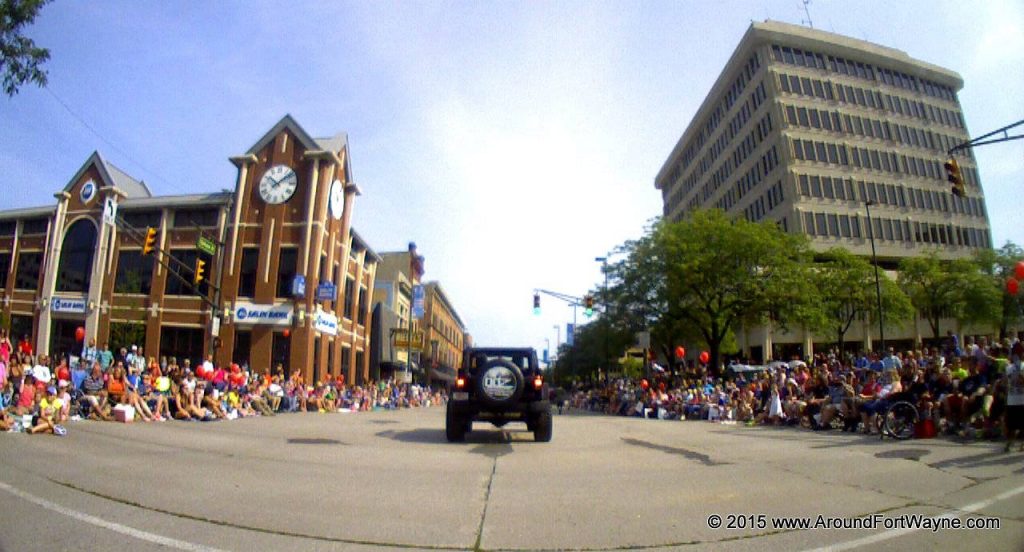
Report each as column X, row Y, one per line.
column 236, row 379
column 25, row 347
column 219, row 379
column 63, row 372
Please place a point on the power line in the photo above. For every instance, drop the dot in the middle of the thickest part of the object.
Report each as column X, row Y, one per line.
column 97, row 134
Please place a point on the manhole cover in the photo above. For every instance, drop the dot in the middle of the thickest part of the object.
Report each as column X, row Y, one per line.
column 314, row 441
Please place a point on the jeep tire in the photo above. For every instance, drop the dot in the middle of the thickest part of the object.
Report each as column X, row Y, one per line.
column 500, row 396
column 455, row 427
column 542, row 427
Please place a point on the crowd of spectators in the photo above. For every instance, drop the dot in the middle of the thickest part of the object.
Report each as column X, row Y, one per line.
column 39, row 394
column 976, row 391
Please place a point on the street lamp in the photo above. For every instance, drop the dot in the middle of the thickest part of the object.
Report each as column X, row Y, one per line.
column 878, row 285
column 604, row 268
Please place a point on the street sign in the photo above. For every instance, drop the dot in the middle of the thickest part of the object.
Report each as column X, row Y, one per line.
column 206, row 245
column 109, row 211
column 417, row 301
column 215, row 326
column 299, row 286
column 326, row 291
column 402, row 340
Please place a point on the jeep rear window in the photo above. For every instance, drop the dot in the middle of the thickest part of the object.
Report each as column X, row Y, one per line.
column 522, row 361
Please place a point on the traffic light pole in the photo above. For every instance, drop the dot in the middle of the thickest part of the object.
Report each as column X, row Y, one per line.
column 572, row 301
column 982, row 140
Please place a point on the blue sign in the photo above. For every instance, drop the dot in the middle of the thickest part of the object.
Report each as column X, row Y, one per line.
column 570, row 334
column 326, row 291
column 299, row 286
column 545, row 356
column 417, row 301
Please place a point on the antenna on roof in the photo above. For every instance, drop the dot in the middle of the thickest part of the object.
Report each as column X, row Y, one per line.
column 807, row 21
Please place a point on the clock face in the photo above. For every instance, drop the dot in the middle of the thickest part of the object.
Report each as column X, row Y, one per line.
column 337, row 199
column 88, row 191
column 278, row 184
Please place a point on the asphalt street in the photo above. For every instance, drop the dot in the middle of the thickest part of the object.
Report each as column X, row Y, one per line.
column 388, row 480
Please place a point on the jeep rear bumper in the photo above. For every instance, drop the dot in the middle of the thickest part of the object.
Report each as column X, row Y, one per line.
column 515, row 412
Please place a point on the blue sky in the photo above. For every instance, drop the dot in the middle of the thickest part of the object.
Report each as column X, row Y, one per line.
column 513, row 141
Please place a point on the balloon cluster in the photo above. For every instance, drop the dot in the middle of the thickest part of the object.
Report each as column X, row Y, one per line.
column 681, row 352
column 1013, row 282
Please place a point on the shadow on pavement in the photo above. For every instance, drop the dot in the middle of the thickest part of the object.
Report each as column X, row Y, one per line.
column 688, row 454
column 489, row 442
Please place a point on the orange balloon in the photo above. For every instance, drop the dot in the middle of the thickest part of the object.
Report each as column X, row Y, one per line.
column 704, row 357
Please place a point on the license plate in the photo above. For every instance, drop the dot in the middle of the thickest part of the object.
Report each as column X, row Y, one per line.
column 460, row 396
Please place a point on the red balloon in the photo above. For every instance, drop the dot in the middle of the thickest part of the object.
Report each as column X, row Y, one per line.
column 704, row 357
column 644, row 384
column 79, row 334
column 287, row 332
column 1012, row 287
column 1019, row 270
column 680, row 352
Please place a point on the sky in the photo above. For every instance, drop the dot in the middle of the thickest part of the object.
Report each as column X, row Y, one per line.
column 514, row 142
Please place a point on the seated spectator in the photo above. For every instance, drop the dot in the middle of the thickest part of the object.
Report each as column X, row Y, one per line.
column 95, row 396
column 208, row 397
column 6, row 421
column 274, row 394
column 870, row 409
column 48, row 417
column 117, row 386
column 26, row 401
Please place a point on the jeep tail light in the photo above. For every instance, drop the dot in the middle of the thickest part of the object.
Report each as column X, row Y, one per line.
column 538, row 382
column 460, row 383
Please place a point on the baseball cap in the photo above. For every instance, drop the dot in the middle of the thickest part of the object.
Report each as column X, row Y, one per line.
column 51, row 390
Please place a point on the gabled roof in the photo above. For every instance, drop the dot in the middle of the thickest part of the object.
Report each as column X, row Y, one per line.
column 337, row 144
column 113, row 176
column 285, row 123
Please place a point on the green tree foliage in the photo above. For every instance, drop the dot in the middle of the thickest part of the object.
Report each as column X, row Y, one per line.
column 845, row 285
column 20, row 59
column 956, row 289
column 596, row 345
column 998, row 265
column 704, row 275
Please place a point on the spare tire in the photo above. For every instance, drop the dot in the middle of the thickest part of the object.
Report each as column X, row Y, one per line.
column 499, row 383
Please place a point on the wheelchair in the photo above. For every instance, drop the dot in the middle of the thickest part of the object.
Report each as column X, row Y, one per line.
column 900, row 418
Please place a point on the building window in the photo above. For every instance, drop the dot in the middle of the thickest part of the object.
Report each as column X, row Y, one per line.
column 5, row 268
column 281, row 354
column 143, row 219
column 7, row 228
column 27, row 276
column 287, row 260
column 34, row 226
column 134, row 273
column 76, row 257
column 247, row 272
column 809, row 223
column 182, row 343
column 361, row 316
column 346, row 362
column 350, row 289
column 180, row 275
column 243, row 346
column 191, row 218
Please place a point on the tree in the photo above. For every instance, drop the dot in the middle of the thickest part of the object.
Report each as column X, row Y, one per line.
column 953, row 289
column 704, row 275
column 20, row 59
column 846, row 290
column 998, row 265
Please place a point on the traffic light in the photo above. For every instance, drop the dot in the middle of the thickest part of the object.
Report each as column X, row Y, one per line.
column 955, row 177
column 150, row 241
column 588, row 304
column 536, row 303
column 200, row 269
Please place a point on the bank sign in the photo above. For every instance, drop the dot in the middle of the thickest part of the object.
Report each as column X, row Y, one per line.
column 66, row 305
column 263, row 315
column 325, row 322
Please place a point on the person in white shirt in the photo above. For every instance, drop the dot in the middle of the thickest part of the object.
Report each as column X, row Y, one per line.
column 41, row 372
column 1013, row 416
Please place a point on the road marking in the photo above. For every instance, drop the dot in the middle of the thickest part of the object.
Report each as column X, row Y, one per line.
column 116, row 527
column 893, row 533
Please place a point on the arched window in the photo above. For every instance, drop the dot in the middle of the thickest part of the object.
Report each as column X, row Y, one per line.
column 76, row 257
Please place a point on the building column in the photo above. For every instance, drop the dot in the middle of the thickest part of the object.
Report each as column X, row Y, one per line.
column 56, row 242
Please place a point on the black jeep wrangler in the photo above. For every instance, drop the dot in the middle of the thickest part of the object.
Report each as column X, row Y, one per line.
column 499, row 385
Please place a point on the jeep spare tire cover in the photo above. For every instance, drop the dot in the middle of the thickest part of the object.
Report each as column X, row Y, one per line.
column 500, row 382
